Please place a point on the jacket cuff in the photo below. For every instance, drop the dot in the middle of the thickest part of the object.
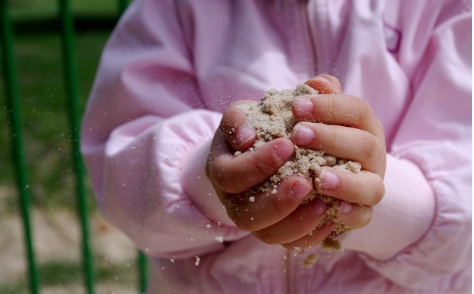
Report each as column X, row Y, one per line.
column 198, row 187
column 402, row 218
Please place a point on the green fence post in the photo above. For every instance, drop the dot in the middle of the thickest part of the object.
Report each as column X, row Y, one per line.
column 122, row 5
column 72, row 92
column 142, row 263
column 13, row 110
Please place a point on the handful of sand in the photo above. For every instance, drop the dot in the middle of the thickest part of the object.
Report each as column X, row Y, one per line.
column 272, row 118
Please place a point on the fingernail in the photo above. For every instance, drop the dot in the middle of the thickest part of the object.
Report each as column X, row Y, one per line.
column 329, row 180
column 318, row 207
column 303, row 107
column 303, row 135
column 284, row 151
column 244, row 134
column 300, row 190
column 345, row 207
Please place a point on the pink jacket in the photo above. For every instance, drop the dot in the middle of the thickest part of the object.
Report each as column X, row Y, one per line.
column 171, row 68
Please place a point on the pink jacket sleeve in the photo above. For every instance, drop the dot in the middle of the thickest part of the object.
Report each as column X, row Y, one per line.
column 430, row 157
column 145, row 144
column 136, row 153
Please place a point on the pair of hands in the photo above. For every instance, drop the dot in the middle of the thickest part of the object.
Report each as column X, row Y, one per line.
column 338, row 124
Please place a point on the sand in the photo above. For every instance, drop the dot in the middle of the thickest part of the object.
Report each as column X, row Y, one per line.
column 272, row 118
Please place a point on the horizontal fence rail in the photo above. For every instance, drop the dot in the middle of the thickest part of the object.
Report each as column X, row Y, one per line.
column 74, row 115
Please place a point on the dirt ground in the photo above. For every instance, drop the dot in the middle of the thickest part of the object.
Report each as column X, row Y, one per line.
column 57, row 247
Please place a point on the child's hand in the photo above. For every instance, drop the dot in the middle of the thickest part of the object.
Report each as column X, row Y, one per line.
column 343, row 126
column 279, row 218
column 273, row 218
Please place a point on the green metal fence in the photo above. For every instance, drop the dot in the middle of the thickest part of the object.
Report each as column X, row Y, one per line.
column 69, row 65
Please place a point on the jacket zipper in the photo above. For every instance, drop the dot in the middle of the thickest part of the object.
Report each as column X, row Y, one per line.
column 309, row 37
column 303, row 7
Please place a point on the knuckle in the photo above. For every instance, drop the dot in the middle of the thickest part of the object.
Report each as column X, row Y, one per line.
column 242, row 224
column 281, row 210
column 379, row 124
column 362, row 218
column 207, row 170
column 213, row 171
column 379, row 191
column 321, row 108
column 230, row 118
column 226, row 120
column 369, row 148
column 334, row 139
column 355, row 189
column 318, row 134
column 222, row 179
column 288, row 246
column 266, row 237
column 332, row 110
column 303, row 226
column 228, row 184
column 362, row 113
column 362, row 108
column 366, row 217
column 213, row 163
column 261, row 167
column 240, row 221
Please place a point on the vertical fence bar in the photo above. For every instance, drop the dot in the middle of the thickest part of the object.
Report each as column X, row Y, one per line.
column 142, row 263
column 13, row 110
column 72, row 92
column 122, row 5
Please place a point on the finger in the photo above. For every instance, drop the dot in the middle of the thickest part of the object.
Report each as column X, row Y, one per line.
column 325, row 84
column 354, row 215
column 261, row 210
column 301, row 221
column 340, row 109
column 364, row 188
column 234, row 125
column 342, row 142
column 312, row 240
column 235, row 174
